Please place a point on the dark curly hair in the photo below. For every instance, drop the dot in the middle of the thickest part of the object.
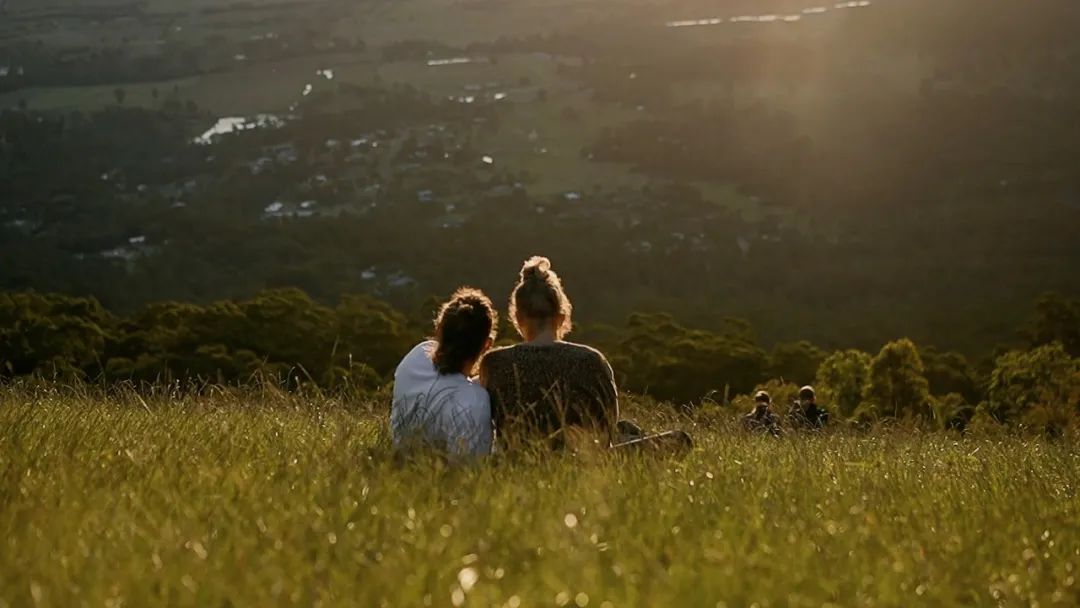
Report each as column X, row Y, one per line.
column 463, row 326
column 539, row 296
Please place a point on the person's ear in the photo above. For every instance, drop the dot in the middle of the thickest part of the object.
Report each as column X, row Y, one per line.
column 488, row 344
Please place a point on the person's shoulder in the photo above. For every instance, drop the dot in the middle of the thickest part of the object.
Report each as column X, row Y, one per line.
column 583, row 349
column 497, row 356
column 585, row 353
column 419, row 358
column 500, row 352
column 426, row 348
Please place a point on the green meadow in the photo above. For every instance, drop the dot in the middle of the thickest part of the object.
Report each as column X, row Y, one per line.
column 260, row 498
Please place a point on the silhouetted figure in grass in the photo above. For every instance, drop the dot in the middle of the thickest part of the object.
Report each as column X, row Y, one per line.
column 548, row 389
column 805, row 413
column 762, row 420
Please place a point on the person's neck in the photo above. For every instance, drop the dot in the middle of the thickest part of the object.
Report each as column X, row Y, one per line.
column 467, row 369
column 546, row 336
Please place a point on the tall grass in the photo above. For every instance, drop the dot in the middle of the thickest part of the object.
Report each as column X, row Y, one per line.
column 259, row 498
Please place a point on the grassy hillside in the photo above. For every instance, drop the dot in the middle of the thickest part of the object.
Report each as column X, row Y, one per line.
column 259, row 498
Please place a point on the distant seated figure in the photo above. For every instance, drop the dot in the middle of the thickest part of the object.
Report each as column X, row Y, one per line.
column 436, row 405
column 762, row 419
column 544, row 386
column 805, row 413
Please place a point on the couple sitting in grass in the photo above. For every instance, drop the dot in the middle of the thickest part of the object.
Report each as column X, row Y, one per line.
column 805, row 414
column 541, row 391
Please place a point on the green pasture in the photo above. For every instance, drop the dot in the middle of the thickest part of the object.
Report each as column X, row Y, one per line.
column 258, row 498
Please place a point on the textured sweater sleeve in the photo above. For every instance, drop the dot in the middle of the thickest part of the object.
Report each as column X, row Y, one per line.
column 609, row 394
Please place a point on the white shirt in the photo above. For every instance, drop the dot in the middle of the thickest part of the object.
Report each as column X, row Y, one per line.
column 446, row 411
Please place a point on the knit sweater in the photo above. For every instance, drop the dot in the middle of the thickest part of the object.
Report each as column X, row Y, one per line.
column 537, row 390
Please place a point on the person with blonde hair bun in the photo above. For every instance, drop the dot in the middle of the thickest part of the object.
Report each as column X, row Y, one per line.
column 545, row 387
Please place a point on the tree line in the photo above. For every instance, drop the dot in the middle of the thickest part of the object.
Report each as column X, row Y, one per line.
column 285, row 336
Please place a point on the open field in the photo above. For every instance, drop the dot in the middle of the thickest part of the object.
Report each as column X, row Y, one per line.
column 253, row 89
column 266, row 499
column 535, row 134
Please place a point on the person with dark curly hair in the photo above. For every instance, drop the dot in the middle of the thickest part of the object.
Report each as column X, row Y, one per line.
column 436, row 405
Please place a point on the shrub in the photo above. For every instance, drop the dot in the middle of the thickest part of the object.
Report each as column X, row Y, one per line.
column 796, row 362
column 841, row 380
column 51, row 334
column 668, row 361
column 949, row 373
column 1057, row 319
column 952, row 411
column 897, row 386
column 1040, row 387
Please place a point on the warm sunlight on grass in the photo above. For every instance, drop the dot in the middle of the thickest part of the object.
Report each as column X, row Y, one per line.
column 248, row 499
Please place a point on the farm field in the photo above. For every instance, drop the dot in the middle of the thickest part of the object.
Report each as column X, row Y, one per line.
column 261, row 498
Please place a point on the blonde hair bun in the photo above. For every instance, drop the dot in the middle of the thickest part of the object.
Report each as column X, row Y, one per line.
column 539, row 297
column 536, row 267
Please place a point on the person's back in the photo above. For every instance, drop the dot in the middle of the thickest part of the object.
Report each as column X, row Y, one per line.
column 537, row 390
column 446, row 412
column 435, row 404
column 560, row 393
column 545, row 385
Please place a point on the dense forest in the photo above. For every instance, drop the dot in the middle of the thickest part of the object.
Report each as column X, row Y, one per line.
column 904, row 168
column 198, row 185
column 284, row 337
